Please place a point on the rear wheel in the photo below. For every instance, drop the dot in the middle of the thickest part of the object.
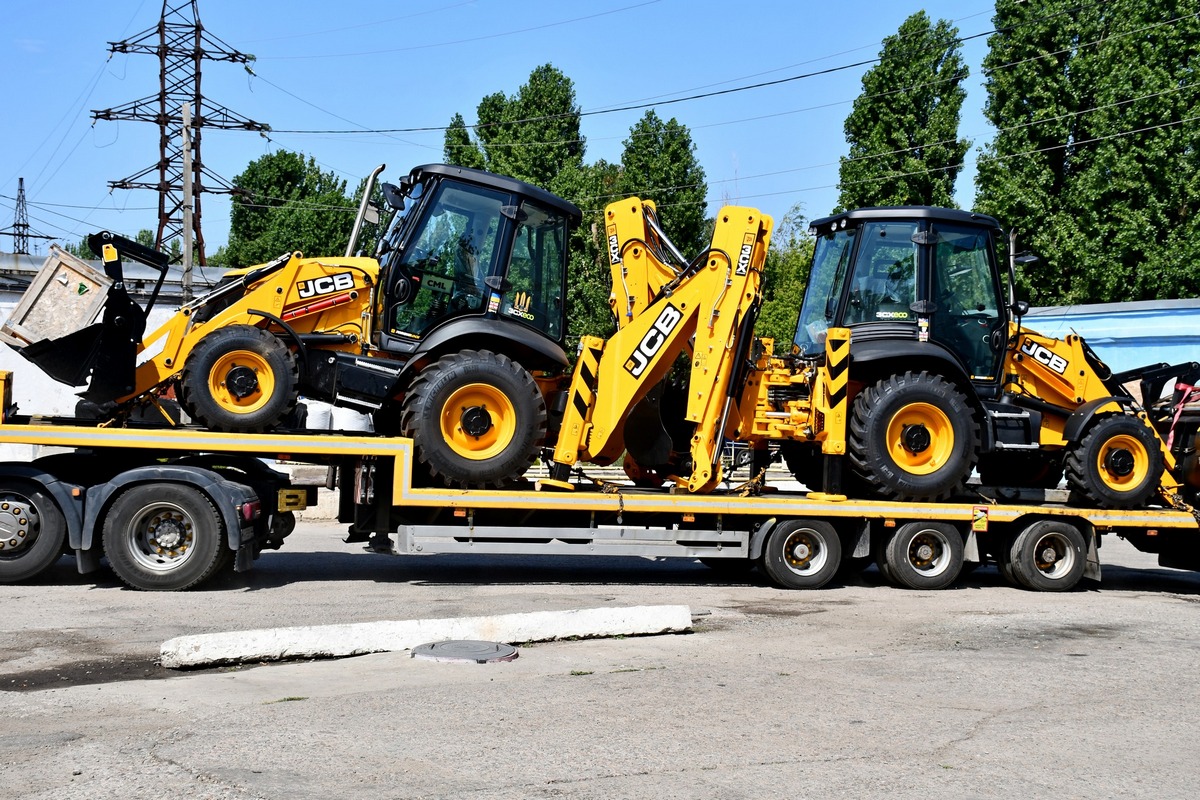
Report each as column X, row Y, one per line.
column 925, row 555
column 164, row 537
column 1048, row 556
column 239, row 378
column 913, row 437
column 1117, row 464
column 802, row 554
column 32, row 531
column 477, row 419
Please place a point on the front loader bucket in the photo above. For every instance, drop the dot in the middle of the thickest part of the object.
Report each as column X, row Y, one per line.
column 74, row 322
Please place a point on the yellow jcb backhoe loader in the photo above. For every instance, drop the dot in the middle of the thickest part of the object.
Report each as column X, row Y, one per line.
column 910, row 367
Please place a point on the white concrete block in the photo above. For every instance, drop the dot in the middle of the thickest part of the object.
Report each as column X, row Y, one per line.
column 276, row 644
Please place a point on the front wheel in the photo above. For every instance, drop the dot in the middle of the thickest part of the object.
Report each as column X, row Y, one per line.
column 239, row 378
column 1117, row 464
column 164, row 537
column 32, row 531
column 802, row 554
column 477, row 419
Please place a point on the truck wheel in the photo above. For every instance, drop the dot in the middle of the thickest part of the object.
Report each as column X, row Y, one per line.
column 802, row 554
column 239, row 378
column 1048, row 556
column 1117, row 464
column 925, row 555
column 32, row 531
column 164, row 537
column 477, row 419
column 913, row 437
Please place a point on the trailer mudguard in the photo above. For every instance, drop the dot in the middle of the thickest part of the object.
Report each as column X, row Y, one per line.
column 226, row 496
column 68, row 496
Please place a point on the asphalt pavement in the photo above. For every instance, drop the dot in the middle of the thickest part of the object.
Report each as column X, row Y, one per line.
column 857, row 690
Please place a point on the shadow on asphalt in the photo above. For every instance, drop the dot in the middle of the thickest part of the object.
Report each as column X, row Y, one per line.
column 277, row 569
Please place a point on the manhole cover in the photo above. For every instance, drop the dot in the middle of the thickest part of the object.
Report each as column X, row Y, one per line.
column 465, row 652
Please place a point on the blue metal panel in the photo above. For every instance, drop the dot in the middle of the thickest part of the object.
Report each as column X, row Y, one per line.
column 1128, row 335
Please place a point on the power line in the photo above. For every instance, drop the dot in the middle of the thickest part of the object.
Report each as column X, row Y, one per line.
column 485, row 37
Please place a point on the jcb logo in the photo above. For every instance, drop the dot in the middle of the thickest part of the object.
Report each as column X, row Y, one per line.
column 744, row 259
column 614, row 246
column 653, row 341
column 520, row 306
column 325, row 284
column 1044, row 356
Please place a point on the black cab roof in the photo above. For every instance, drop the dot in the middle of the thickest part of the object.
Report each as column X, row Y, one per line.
column 503, row 183
column 829, row 224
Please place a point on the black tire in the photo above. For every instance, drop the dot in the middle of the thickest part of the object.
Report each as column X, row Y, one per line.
column 477, row 419
column 881, row 564
column 925, row 555
column 1117, row 464
column 1002, row 554
column 164, row 537
column 239, row 378
column 33, row 531
column 1049, row 556
column 802, row 554
column 806, row 462
column 893, row 417
column 1021, row 470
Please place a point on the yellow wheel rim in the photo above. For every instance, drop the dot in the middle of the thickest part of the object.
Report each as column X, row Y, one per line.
column 1123, row 463
column 920, row 438
column 478, row 421
column 241, row 381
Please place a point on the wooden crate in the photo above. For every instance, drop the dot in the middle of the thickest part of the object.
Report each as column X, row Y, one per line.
column 67, row 294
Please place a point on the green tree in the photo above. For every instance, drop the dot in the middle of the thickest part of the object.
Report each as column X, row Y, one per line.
column 659, row 163
column 287, row 203
column 784, row 279
column 1094, row 162
column 903, row 129
column 533, row 135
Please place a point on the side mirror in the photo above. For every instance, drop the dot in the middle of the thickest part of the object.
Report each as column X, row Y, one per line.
column 1026, row 259
column 393, row 196
column 1019, row 308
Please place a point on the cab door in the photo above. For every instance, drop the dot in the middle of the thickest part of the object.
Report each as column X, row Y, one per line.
column 965, row 291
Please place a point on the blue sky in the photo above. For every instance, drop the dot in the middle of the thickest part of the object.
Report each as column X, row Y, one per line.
column 363, row 64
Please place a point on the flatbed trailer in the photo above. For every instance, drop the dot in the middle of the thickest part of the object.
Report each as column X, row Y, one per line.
column 170, row 506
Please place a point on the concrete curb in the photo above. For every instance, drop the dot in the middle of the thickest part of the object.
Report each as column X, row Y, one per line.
column 277, row 644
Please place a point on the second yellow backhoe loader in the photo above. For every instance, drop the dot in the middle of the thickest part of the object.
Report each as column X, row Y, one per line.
column 909, row 368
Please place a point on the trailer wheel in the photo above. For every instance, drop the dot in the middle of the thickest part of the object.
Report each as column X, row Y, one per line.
column 913, row 437
column 1117, row 464
column 1048, row 556
column 802, row 554
column 32, row 531
column 477, row 419
column 240, row 378
column 164, row 537
column 925, row 555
